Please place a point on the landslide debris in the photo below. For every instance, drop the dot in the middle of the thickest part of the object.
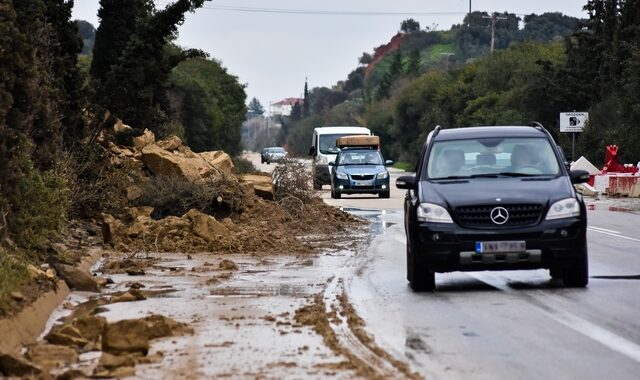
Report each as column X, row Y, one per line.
column 181, row 201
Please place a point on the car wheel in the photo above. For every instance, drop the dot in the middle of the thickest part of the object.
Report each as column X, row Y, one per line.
column 335, row 194
column 577, row 275
column 386, row 194
column 418, row 274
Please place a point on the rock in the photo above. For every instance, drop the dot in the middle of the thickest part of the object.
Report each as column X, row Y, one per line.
column 35, row 272
column 120, row 127
column 218, row 159
column 109, row 361
column 90, row 326
column 48, row 356
column 134, row 192
column 205, row 226
column 112, row 230
column 17, row 296
column 12, row 365
column 163, row 162
column 126, row 336
column 116, row 373
column 78, row 279
column 130, row 296
column 171, row 143
column 72, row 374
column 143, row 140
column 161, row 326
column 262, row 185
column 66, row 335
column 228, row 265
column 50, row 274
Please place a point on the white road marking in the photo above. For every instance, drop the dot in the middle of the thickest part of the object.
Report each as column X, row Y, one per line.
column 582, row 326
column 602, row 231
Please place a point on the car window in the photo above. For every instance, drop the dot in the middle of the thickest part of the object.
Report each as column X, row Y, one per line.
column 490, row 156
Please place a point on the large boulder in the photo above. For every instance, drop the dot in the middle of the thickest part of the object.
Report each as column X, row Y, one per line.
column 112, row 229
column 13, row 365
column 206, row 226
column 127, row 336
column 77, row 279
column 163, row 162
column 218, row 159
column 50, row 356
column 143, row 140
column 261, row 183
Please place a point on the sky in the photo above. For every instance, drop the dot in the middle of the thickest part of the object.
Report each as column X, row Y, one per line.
column 272, row 46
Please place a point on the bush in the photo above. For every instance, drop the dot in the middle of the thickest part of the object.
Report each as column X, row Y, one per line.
column 13, row 274
column 175, row 195
column 292, row 178
column 243, row 165
column 38, row 209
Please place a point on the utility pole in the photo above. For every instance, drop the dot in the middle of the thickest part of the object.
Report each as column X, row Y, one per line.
column 494, row 17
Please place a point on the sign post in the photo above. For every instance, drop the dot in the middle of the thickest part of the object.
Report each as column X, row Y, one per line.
column 573, row 122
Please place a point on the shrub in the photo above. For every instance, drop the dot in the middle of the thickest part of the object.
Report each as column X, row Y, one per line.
column 13, row 273
column 292, row 179
column 243, row 165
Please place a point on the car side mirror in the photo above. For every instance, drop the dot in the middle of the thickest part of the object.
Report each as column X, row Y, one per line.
column 332, row 163
column 406, row 182
column 312, row 151
column 388, row 162
column 579, row 176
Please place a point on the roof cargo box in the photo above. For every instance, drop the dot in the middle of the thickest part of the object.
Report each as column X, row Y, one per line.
column 358, row 141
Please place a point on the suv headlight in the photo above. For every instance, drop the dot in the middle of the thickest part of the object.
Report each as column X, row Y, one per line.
column 565, row 208
column 429, row 212
column 383, row 175
column 341, row 175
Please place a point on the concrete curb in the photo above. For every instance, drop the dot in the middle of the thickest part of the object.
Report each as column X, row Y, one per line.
column 25, row 327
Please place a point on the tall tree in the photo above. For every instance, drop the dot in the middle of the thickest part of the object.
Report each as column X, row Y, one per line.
column 409, row 26
column 413, row 63
column 255, row 108
column 305, row 100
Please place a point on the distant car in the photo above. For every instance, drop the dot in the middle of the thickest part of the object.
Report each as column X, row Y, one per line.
column 272, row 154
column 360, row 171
column 494, row 198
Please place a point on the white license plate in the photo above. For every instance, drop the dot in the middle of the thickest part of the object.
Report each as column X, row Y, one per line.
column 500, row 246
column 362, row 183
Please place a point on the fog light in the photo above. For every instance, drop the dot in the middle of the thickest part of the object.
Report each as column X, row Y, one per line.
column 384, row 186
column 340, row 187
column 435, row 237
column 564, row 233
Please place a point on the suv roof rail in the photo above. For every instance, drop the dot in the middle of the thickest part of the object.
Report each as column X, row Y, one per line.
column 537, row 125
column 436, row 130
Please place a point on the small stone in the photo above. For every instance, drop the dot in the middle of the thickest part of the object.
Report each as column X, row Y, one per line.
column 17, row 296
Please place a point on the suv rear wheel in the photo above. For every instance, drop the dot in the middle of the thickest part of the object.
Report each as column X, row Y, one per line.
column 577, row 275
column 419, row 276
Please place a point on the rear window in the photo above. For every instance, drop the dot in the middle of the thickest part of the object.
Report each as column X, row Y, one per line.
column 485, row 156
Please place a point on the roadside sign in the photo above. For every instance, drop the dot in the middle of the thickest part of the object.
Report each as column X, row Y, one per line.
column 573, row 121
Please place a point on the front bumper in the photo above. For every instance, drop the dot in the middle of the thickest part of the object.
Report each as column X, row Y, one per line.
column 349, row 186
column 449, row 247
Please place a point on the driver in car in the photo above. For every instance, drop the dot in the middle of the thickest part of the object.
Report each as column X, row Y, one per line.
column 521, row 157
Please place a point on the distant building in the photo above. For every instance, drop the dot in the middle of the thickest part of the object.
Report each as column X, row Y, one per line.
column 284, row 106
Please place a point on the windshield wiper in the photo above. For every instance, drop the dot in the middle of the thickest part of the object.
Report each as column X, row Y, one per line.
column 452, row 177
column 514, row 174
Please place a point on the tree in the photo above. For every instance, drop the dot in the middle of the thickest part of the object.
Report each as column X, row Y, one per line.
column 88, row 35
column 409, row 26
column 255, row 108
column 210, row 105
column 365, row 59
column 134, row 89
column 305, row 100
column 413, row 63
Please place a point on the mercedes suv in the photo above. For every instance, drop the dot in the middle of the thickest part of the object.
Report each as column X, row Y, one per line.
column 494, row 198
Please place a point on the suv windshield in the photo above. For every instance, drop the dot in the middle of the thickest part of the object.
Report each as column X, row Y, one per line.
column 360, row 157
column 328, row 142
column 276, row 150
column 491, row 157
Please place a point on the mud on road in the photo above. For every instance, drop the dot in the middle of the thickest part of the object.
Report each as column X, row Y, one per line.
column 235, row 316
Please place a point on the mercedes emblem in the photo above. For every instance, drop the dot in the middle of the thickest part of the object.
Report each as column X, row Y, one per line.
column 499, row 215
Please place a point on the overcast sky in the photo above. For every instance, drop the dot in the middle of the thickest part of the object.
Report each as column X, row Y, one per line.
column 271, row 46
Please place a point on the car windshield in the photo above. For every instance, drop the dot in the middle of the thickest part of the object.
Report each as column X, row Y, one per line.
column 328, row 142
column 491, row 157
column 276, row 150
column 359, row 158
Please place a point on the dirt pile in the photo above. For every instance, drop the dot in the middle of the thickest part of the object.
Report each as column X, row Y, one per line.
column 192, row 202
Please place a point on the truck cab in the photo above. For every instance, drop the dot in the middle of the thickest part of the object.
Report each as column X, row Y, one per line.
column 324, row 150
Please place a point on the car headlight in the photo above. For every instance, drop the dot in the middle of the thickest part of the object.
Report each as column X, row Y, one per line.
column 565, row 208
column 383, row 175
column 429, row 212
column 341, row 175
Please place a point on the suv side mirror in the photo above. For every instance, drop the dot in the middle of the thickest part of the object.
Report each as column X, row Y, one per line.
column 579, row 176
column 312, row 151
column 406, row 182
column 388, row 162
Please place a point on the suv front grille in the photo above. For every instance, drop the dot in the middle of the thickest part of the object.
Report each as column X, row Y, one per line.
column 361, row 177
column 480, row 216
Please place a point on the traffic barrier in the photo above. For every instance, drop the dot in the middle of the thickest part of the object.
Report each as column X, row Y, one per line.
column 618, row 185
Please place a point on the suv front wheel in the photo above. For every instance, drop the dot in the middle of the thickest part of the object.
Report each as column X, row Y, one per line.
column 418, row 274
column 577, row 275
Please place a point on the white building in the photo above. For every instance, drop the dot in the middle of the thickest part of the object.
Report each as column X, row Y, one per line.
column 284, row 106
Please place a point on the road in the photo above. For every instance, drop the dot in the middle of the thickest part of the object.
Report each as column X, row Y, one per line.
column 504, row 325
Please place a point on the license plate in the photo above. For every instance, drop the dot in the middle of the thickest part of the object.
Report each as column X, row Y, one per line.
column 362, row 183
column 500, row 246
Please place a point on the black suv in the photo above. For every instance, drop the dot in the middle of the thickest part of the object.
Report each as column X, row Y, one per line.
column 494, row 198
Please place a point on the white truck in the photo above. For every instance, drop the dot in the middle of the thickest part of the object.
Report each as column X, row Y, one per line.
column 323, row 150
